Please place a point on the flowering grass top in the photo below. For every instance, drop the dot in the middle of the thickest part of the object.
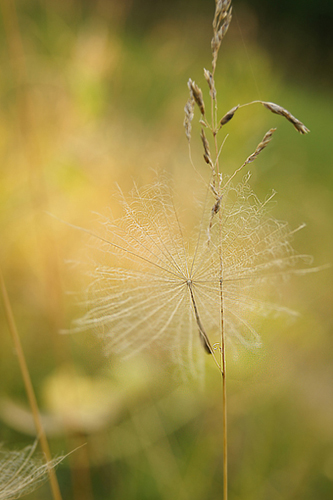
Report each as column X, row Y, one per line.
column 164, row 288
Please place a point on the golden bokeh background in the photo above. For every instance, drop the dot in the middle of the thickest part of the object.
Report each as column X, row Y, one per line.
column 92, row 95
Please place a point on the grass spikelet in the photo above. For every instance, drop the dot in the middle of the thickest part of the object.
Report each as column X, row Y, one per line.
column 228, row 116
column 211, row 84
column 189, row 114
column 22, row 472
column 279, row 110
column 205, row 143
column 262, row 145
column 196, row 92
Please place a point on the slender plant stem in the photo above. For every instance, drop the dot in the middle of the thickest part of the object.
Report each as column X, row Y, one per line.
column 224, row 399
column 222, row 338
column 224, row 379
column 29, row 389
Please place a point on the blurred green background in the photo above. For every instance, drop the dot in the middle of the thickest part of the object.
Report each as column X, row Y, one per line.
column 92, row 94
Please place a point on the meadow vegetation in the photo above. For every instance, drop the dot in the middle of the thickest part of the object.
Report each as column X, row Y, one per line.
column 88, row 104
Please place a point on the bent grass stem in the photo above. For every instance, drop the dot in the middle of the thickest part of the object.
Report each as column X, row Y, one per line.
column 29, row 389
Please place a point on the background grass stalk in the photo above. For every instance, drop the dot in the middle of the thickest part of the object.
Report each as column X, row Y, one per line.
column 34, row 162
column 29, row 389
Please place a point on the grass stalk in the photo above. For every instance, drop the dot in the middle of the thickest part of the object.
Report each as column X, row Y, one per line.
column 223, row 374
column 29, row 389
column 224, row 404
column 34, row 165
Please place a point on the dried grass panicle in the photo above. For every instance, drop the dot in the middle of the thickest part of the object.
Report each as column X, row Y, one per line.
column 221, row 22
column 21, row 472
column 279, row 110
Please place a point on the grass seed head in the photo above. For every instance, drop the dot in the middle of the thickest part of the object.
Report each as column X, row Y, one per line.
column 279, row 110
column 197, row 95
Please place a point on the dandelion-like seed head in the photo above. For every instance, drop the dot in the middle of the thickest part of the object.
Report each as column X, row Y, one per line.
column 160, row 288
